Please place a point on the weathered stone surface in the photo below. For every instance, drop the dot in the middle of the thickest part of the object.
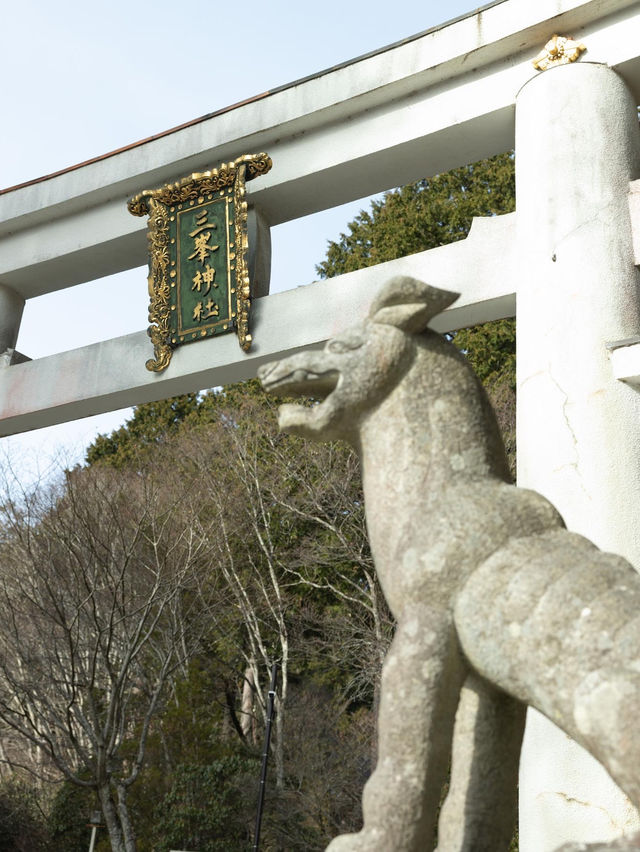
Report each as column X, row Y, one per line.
column 498, row 606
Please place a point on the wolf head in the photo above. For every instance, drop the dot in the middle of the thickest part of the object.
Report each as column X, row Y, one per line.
column 358, row 368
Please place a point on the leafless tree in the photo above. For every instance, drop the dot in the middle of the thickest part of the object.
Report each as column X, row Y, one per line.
column 238, row 529
column 100, row 599
column 320, row 491
column 284, row 517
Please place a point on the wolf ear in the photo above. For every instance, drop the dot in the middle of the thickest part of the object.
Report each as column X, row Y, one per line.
column 409, row 304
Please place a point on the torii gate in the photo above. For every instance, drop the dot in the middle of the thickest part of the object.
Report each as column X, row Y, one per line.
column 443, row 98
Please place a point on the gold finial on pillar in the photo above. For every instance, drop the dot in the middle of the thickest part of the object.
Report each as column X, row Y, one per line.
column 559, row 50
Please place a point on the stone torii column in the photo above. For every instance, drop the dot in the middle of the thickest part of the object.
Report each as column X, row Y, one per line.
column 578, row 429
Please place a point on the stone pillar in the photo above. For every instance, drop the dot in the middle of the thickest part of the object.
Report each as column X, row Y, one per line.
column 11, row 307
column 578, row 429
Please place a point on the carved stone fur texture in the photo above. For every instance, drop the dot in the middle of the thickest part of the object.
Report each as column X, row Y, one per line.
column 497, row 605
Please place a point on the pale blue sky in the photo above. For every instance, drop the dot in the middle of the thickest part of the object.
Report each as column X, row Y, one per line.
column 81, row 79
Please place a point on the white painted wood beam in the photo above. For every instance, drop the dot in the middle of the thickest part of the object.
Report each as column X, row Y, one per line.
column 625, row 361
column 112, row 374
column 417, row 108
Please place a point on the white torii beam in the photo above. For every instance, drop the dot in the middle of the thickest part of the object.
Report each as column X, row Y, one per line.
column 438, row 100
column 415, row 109
column 111, row 375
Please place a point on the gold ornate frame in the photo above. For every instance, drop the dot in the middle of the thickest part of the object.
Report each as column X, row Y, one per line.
column 155, row 204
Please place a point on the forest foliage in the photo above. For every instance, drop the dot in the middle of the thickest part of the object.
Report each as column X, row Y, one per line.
column 149, row 591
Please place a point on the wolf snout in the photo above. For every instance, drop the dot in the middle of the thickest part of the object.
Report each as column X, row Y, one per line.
column 300, row 375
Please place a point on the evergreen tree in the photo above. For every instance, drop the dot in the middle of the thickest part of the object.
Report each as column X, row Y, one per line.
column 151, row 423
column 422, row 215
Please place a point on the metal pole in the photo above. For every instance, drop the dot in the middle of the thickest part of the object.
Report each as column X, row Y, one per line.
column 265, row 754
column 94, row 829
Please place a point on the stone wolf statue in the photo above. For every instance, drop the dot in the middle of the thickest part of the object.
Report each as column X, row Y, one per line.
column 497, row 605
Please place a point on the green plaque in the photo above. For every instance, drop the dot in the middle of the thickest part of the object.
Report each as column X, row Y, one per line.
column 198, row 274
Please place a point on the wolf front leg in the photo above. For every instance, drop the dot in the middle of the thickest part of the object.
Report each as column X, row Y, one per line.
column 421, row 681
column 479, row 814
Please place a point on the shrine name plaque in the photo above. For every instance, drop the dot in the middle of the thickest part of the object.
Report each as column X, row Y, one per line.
column 198, row 271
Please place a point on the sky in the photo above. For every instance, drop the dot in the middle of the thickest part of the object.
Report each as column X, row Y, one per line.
column 81, row 79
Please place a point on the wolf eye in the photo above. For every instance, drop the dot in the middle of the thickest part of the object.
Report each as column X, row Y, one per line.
column 344, row 344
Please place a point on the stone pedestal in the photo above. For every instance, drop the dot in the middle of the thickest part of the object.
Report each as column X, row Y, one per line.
column 578, row 146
